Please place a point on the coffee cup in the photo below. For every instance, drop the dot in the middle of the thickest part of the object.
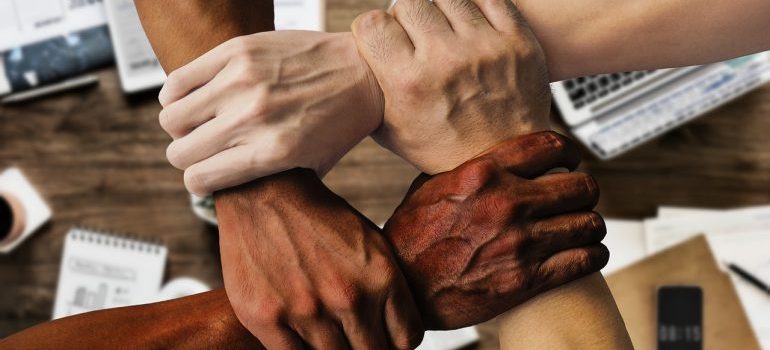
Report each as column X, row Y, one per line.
column 12, row 219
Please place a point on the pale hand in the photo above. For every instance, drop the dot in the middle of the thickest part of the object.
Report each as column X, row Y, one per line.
column 457, row 79
column 267, row 102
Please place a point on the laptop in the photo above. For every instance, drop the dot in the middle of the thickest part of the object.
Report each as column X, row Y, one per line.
column 613, row 113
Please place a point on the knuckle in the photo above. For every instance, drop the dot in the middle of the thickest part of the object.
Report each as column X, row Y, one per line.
column 369, row 19
column 267, row 315
column 524, row 281
column 590, row 259
column 505, row 283
column 527, row 51
column 348, row 298
column 410, row 85
column 238, row 44
column 591, row 187
column 262, row 101
column 194, row 181
column 285, row 150
column 244, row 65
column 416, row 12
column 469, row 10
column 581, row 261
column 557, row 142
column 306, row 308
column 489, row 3
column 477, row 173
column 597, row 225
column 259, row 108
column 387, row 273
column 408, row 340
column 256, row 159
column 164, row 118
column 174, row 80
column 602, row 256
column 174, row 155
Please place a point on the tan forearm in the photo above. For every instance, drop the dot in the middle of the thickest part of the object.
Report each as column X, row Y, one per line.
column 600, row 36
column 202, row 321
column 578, row 315
column 180, row 31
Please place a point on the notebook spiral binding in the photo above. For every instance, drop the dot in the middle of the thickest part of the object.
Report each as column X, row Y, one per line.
column 119, row 240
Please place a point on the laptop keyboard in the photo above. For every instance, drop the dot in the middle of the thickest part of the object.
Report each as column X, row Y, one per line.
column 585, row 90
column 668, row 111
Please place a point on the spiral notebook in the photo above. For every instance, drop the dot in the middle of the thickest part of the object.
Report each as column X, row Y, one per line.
column 102, row 270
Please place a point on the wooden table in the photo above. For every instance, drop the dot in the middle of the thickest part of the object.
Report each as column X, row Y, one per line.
column 98, row 158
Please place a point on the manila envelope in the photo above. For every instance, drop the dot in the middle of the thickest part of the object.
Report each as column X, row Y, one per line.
column 725, row 325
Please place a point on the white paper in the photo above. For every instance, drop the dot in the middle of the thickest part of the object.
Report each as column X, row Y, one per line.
column 665, row 212
column 100, row 271
column 449, row 340
column 138, row 66
column 748, row 250
column 27, row 21
column 299, row 14
column 5, row 85
column 625, row 240
column 662, row 233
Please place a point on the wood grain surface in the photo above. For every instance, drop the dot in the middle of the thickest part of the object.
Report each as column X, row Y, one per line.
column 99, row 159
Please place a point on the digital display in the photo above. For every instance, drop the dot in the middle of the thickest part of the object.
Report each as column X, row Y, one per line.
column 680, row 318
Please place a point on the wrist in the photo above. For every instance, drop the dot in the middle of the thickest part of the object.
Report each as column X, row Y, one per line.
column 237, row 205
column 444, row 156
column 372, row 102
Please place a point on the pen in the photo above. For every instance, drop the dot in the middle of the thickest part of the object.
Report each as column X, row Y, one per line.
column 748, row 277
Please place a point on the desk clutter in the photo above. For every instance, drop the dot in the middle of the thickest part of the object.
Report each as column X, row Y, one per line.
column 730, row 261
column 23, row 210
column 103, row 270
column 46, row 46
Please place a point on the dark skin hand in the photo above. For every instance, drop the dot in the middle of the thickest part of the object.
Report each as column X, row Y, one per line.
column 290, row 303
column 488, row 263
column 493, row 263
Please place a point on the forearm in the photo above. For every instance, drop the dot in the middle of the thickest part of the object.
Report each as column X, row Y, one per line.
column 601, row 36
column 180, row 31
column 578, row 315
column 202, row 321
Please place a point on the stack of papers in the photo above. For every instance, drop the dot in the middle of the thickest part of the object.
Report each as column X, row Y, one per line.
column 739, row 236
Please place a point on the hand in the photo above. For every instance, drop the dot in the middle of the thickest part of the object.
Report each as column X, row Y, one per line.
column 301, row 265
column 496, row 231
column 485, row 256
column 456, row 78
column 268, row 102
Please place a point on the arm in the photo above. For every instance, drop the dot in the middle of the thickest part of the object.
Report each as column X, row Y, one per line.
column 580, row 315
column 603, row 36
column 299, row 264
column 201, row 321
column 578, row 38
column 498, row 77
column 457, row 290
column 180, row 31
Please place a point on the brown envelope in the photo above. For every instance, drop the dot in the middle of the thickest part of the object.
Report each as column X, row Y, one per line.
column 725, row 325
